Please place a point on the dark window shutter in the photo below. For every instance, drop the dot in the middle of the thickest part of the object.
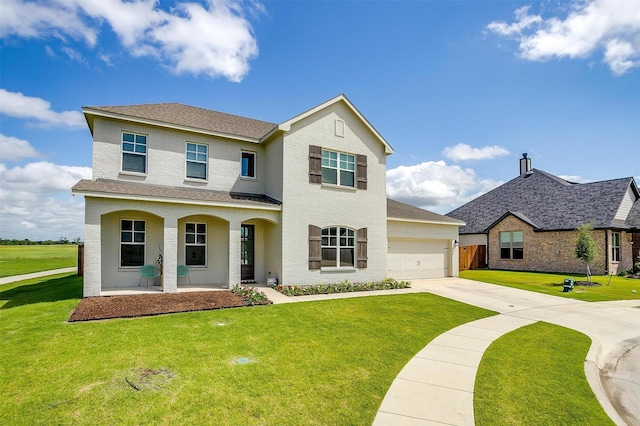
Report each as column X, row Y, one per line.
column 361, row 171
column 362, row 247
column 315, row 247
column 315, row 164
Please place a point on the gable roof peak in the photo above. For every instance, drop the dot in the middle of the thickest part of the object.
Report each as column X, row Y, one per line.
column 286, row 125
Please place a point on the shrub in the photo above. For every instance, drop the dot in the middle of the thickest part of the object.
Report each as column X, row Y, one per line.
column 251, row 295
column 341, row 287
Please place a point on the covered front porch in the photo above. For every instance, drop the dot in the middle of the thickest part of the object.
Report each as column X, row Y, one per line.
column 220, row 246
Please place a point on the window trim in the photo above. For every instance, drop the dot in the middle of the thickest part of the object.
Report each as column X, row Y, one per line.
column 195, row 243
column 615, row 248
column 196, row 161
column 338, row 168
column 351, row 234
column 511, row 245
column 132, row 242
column 123, row 152
column 255, row 165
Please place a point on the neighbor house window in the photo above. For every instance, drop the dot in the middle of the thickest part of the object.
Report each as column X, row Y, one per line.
column 249, row 164
column 132, row 242
column 338, row 247
column 196, row 161
column 615, row 247
column 195, row 244
column 511, row 245
column 134, row 152
column 338, row 168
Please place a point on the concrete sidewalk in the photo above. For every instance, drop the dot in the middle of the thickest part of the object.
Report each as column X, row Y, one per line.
column 7, row 280
column 436, row 386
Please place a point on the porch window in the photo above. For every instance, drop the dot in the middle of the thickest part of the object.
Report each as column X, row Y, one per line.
column 249, row 164
column 338, row 168
column 196, row 161
column 615, row 247
column 132, row 242
column 134, row 152
column 338, row 247
column 195, row 244
column 512, row 245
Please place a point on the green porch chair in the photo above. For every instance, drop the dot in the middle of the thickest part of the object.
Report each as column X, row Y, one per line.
column 149, row 271
column 183, row 271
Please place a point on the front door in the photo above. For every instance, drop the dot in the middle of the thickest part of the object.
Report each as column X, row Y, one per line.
column 247, row 271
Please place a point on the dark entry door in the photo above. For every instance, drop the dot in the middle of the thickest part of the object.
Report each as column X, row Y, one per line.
column 247, row 271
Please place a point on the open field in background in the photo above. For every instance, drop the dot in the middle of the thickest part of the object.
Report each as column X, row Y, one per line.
column 613, row 288
column 535, row 375
column 319, row 363
column 18, row 260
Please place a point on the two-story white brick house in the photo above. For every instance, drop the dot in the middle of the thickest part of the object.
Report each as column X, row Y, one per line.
column 238, row 199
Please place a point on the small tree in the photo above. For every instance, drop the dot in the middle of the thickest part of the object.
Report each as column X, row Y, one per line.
column 585, row 247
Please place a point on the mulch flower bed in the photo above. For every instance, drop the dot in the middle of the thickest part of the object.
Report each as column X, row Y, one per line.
column 97, row 308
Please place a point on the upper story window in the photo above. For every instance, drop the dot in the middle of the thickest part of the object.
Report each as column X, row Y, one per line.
column 134, row 152
column 615, row 247
column 132, row 242
column 248, row 164
column 338, row 168
column 338, row 247
column 196, row 161
column 512, row 245
column 195, row 244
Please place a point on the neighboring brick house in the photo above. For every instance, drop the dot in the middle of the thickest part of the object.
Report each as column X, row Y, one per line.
column 530, row 222
column 238, row 199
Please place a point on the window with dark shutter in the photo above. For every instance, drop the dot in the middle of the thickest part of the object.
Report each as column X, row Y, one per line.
column 315, row 164
column 362, row 247
column 361, row 171
column 315, row 247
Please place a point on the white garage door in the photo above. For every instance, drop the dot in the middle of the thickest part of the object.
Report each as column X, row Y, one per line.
column 409, row 259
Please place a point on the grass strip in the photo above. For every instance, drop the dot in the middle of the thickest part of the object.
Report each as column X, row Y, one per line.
column 535, row 375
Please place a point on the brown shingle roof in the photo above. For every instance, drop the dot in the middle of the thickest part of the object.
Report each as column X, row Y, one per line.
column 398, row 210
column 119, row 188
column 193, row 117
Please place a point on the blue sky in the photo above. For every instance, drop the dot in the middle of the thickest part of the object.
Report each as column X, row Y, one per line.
column 460, row 89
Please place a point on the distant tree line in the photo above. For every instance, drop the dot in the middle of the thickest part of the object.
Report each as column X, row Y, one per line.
column 28, row 242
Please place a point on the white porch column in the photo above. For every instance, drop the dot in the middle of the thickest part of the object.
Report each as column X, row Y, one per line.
column 170, row 255
column 92, row 280
column 234, row 253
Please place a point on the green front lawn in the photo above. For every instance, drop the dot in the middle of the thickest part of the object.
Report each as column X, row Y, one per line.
column 535, row 376
column 18, row 260
column 319, row 363
column 613, row 288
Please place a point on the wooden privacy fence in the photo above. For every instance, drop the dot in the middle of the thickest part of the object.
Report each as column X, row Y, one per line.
column 472, row 257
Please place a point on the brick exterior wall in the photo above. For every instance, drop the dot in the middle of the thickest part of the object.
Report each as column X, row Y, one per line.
column 553, row 251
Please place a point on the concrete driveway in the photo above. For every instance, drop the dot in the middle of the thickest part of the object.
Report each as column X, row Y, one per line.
column 437, row 385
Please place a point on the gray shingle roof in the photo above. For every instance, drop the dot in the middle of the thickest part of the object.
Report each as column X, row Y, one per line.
column 398, row 210
column 193, row 117
column 548, row 202
column 119, row 188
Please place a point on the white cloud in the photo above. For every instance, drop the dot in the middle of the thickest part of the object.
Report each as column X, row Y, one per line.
column 15, row 149
column 36, row 201
column 215, row 39
column 523, row 21
column 591, row 25
column 15, row 104
column 464, row 152
column 436, row 186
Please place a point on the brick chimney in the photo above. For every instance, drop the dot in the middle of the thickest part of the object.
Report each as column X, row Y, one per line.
column 525, row 164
